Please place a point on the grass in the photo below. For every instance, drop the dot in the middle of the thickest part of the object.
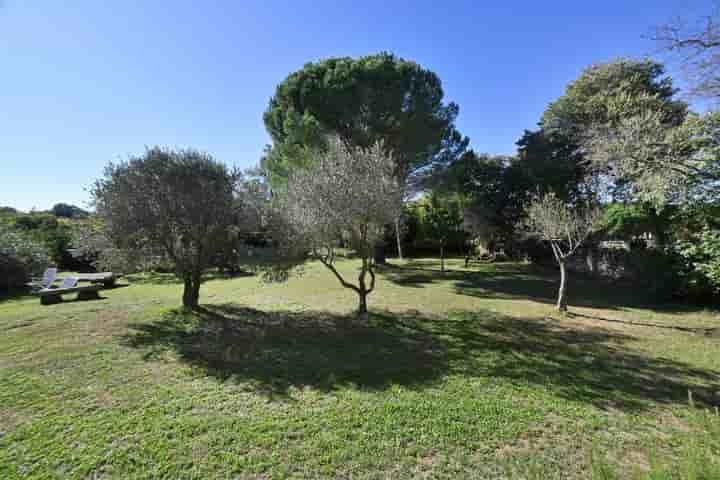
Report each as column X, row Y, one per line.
column 469, row 373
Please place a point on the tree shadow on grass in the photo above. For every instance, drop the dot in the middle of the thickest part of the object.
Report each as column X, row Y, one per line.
column 514, row 281
column 588, row 364
column 279, row 350
column 708, row 331
column 14, row 294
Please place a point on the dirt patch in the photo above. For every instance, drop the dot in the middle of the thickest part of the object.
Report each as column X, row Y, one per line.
column 10, row 420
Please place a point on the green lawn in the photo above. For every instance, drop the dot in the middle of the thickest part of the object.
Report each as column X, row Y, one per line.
column 470, row 373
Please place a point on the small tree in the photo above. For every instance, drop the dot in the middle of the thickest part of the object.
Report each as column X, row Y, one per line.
column 179, row 202
column 349, row 193
column 444, row 220
column 564, row 227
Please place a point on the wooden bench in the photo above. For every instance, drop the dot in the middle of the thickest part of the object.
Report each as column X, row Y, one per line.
column 51, row 296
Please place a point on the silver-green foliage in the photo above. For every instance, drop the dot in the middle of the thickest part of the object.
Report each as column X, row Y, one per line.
column 347, row 196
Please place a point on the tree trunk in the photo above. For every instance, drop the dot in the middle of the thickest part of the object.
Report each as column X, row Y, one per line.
column 562, row 299
column 398, row 239
column 362, row 291
column 362, row 307
column 442, row 256
column 191, row 291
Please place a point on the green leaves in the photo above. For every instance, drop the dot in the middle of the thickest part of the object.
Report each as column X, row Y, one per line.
column 363, row 101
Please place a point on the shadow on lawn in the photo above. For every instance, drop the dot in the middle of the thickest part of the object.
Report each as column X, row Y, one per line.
column 284, row 349
column 528, row 282
column 14, row 294
column 279, row 350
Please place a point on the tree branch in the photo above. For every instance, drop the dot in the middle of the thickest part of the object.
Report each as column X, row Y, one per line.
column 342, row 281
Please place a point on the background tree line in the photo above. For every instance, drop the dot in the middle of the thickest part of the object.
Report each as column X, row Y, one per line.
column 369, row 148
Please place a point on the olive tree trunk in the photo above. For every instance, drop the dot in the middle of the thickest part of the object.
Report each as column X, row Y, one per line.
column 363, row 290
column 562, row 297
column 442, row 257
column 191, row 291
column 398, row 239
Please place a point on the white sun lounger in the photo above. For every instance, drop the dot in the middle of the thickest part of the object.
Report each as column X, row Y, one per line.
column 46, row 281
column 49, row 296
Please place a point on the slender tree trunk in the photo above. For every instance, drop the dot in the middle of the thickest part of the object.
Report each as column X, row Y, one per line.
column 442, row 257
column 562, row 298
column 362, row 290
column 398, row 239
column 362, row 307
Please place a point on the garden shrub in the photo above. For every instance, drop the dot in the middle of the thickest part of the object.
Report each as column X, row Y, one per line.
column 20, row 257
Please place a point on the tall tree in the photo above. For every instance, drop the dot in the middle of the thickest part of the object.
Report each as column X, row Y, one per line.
column 696, row 46
column 590, row 98
column 347, row 196
column 550, row 160
column 662, row 162
column 604, row 94
column 377, row 98
column 179, row 203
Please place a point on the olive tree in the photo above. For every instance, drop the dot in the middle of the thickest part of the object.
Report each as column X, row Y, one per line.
column 178, row 202
column 91, row 242
column 564, row 227
column 346, row 196
column 661, row 160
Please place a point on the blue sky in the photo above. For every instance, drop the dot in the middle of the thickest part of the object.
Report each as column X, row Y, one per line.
column 87, row 82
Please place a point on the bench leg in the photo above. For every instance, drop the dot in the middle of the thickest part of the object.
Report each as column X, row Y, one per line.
column 88, row 295
column 109, row 283
column 50, row 299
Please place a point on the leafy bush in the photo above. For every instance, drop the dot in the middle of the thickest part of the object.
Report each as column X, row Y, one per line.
column 20, row 257
column 630, row 221
column 54, row 234
column 656, row 271
column 702, row 253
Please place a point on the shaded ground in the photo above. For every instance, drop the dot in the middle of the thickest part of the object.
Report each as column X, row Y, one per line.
column 279, row 350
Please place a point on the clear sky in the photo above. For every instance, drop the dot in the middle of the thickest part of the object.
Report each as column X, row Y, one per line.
column 86, row 82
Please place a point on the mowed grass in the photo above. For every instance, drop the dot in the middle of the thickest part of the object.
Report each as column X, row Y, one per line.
column 466, row 374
